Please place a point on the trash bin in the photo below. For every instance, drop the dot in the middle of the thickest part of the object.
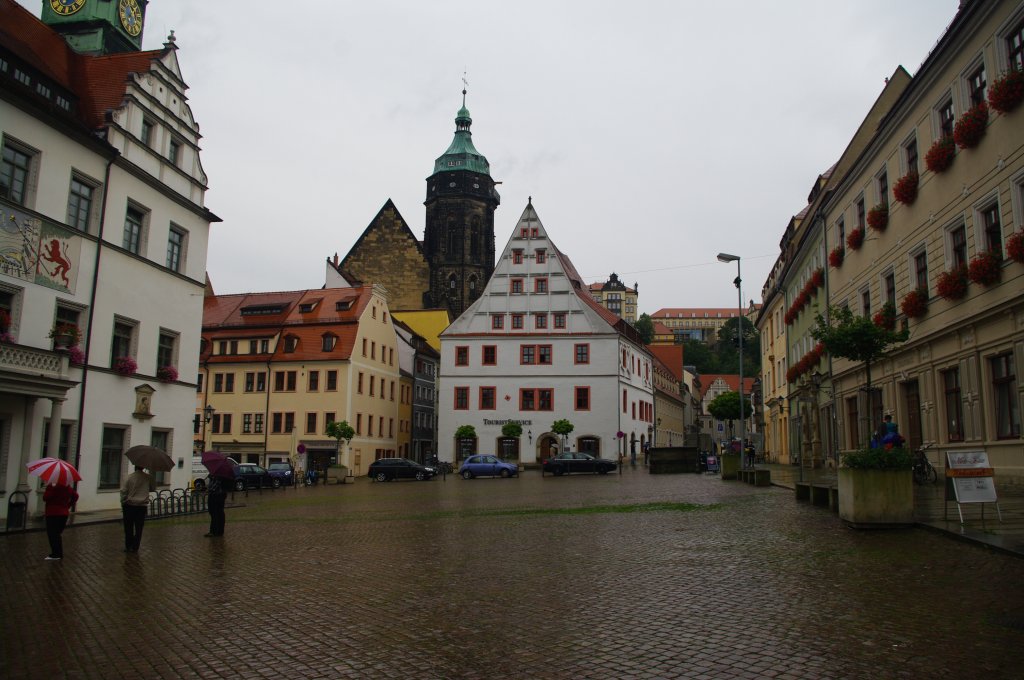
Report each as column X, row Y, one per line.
column 17, row 511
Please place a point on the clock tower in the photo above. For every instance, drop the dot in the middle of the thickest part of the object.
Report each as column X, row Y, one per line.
column 97, row 27
column 458, row 238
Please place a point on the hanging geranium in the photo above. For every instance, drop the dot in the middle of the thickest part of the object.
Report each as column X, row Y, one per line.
column 76, row 356
column 1015, row 246
column 941, row 155
column 952, row 284
column 878, row 217
column 984, row 268
column 818, row 277
column 855, row 239
column 167, row 374
column 915, row 304
column 905, row 189
column 1007, row 91
column 971, row 127
column 125, row 365
column 835, row 258
column 886, row 317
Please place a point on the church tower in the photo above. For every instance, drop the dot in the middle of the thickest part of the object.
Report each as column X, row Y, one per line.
column 97, row 27
column 458, row 238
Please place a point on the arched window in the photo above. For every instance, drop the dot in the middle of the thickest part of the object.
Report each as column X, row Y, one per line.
column 452, row 281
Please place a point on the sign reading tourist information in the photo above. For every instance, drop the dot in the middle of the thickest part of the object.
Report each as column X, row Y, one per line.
column 971, row 476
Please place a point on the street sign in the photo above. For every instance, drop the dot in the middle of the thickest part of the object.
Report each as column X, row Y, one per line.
column 301, row 448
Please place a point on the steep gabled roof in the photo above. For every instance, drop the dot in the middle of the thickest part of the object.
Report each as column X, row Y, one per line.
column 671, row 356
column 388, row 205
column 731, row 380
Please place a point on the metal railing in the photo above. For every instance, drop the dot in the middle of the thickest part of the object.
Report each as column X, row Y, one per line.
column 169, row 503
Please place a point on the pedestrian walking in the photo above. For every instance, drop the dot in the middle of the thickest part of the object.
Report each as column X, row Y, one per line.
column 134, row 501
column 216, row 495
column 647, row 449
column 632, row 452
column 58, row 499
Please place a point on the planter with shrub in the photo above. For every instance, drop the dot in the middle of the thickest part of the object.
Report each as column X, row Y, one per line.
column 876, row 489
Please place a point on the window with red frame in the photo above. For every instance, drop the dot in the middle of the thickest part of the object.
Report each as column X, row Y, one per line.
column 582, row 398
column 540, row 285
column 487, row 398
column 461, row 398
column 536, row 399
column 517, row 321
column 490, row 355
column 541, row 256
column 528, row 354
column 583, row 353
column 544, row 355
column 462, row 356
column 534, row 232
column 497, row 321
column 517, row 257
column 540, row 320
column 524, row 232
column 560, row 320
column 517, row 286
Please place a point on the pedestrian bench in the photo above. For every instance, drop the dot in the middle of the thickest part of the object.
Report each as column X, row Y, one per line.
column 823, row 494
column 756, row 477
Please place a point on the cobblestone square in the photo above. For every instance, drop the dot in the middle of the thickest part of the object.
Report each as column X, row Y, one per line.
column 619, row 576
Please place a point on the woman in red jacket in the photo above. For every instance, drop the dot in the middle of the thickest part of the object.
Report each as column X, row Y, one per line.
column 59, row 500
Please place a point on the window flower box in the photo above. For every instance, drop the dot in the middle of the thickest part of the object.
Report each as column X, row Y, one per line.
column 886, row 317
column 835, row 258
column 167, row 374
column 905, row 189
column 855, row 239
column 76, row 356
column 915, row 304
column 65, row 335
column 1015, row 246
column 878, row 217
column 1007, row 91
column 984, row 268
column 952, row 284
column 941, row 155
column 818, row 277
column 971, row 127
column 125, row 366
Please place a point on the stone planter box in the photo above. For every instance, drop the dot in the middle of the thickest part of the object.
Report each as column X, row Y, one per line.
column 876, row 499
column 730, row 465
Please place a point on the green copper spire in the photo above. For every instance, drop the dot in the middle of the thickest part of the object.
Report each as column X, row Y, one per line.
column 461, row 154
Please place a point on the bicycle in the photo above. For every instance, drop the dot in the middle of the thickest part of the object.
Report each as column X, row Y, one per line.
column 924, row 472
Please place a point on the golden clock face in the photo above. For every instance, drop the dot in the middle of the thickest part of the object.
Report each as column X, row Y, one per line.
column 131, row 16
column 66, row 7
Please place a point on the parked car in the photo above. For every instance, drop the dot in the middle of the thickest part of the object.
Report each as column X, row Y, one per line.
column 283, row 471
column 483, row 465
column 252, row 476
column 386, row 469
column 569, row 462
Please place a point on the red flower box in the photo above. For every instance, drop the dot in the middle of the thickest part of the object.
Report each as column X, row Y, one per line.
column 125, row 365
column 818, row 277
column 971, row 127
column 1015, row 246
column 885, row 318
column 941, row 155
column 855, row 239
column 915, row 304
column 878, row 217
column 905, row 189
column 1007, row 91
column 167, row 374
column 984, row 268
column 835, row 258
column 952, row 284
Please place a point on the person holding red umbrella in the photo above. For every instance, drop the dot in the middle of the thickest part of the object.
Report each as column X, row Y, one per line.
column 58, row 499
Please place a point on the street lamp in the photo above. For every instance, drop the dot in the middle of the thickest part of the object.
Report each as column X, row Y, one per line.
column 726, row 257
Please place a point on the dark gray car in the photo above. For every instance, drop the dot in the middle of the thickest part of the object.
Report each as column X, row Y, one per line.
column 386, row 469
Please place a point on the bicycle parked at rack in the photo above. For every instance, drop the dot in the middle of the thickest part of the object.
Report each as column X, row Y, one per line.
column 924, row 472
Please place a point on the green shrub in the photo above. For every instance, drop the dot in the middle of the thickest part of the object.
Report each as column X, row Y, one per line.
column 879, row 459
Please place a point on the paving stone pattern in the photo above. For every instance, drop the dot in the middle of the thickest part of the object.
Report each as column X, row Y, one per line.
column 484, row 579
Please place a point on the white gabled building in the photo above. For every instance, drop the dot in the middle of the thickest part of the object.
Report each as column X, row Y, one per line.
column 535, row 348
column 104, row 229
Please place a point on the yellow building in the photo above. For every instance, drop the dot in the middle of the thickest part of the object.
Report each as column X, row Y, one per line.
column 277, row 367
column 616, row 297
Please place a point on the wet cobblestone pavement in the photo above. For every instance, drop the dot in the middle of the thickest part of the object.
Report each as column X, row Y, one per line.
column 579, row 577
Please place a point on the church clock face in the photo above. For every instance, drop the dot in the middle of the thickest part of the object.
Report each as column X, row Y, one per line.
column 131, row 16
column 66, row 7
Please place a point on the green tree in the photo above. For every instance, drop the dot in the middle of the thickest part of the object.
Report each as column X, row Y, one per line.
column 562, row 428
column 727, row 347
column 700, row 356
column 645, row 327
column 512, row 430
column 726, row 406
column 856, row 338
column 465, row 432
column 338, row 430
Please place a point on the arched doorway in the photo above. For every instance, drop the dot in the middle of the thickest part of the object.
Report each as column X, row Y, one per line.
column 547, row 446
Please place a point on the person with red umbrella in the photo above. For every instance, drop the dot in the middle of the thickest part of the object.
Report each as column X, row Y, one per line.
column 59, row 496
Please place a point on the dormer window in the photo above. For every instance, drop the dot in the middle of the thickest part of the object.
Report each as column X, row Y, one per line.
column 343, row 305
column 329, row 340
column 307, row 307
column 291, row 343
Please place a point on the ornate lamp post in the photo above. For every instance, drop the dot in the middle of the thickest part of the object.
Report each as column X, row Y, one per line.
column 726, row 257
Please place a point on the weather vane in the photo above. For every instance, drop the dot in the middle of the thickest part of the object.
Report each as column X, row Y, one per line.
column 465, row 84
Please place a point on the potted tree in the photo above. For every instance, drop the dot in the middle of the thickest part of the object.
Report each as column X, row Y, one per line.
column 876, row 488
column 562, row 428
column 726, row 406
column 339, row 430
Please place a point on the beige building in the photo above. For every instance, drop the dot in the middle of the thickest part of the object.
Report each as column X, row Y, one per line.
column 670, row 395
column 937, row 229
column 616, row 297
column 698, row 323
column 277, row 367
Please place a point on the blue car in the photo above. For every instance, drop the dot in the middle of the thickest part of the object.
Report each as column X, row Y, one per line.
column 482, row 465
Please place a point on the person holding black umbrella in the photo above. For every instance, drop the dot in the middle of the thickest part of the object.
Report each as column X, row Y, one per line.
column 134, row 501
column 216, row 495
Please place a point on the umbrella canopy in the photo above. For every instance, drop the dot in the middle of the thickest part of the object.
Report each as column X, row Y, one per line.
column 150, row 458
column 54, row 471
column 218, row 464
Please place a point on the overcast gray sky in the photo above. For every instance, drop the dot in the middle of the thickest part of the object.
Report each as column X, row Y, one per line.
column 651, row 134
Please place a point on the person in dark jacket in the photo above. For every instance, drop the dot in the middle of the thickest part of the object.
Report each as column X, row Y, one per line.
column 59, row 500
column 216, row 495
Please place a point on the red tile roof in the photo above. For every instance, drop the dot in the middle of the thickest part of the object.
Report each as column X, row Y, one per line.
column 671, row 356
column 732, row 380
column 97, row 81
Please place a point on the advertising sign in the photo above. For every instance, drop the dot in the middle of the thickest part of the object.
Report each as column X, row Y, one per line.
column 971, row 476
